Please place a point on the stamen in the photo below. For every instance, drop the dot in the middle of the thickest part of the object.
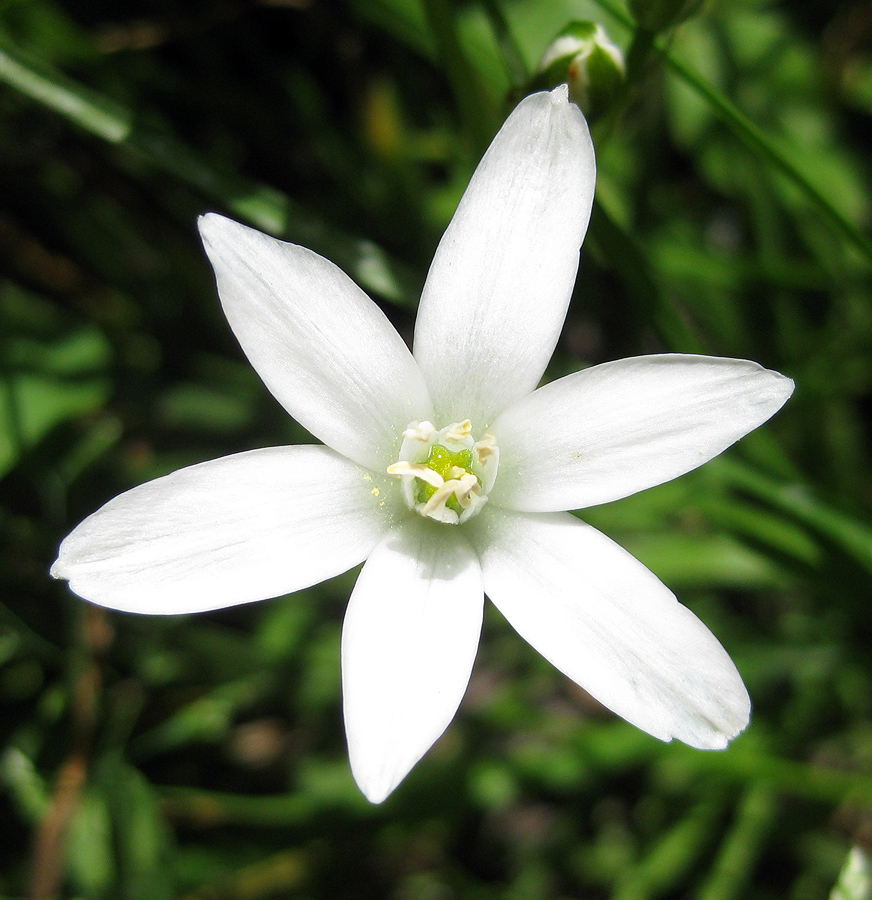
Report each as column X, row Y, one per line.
column 423, row 431
column 446, row 474
column 418, row 471
column 458, row 431
column 439, row 499
column 464, row 487
column 485, row 448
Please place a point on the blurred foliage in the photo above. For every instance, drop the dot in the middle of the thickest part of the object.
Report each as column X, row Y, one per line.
column 203, row 758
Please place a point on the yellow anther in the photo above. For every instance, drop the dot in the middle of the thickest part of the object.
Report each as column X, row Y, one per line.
column 423, row 431
column 486, row 447
column 459, row 431
column 425, row 473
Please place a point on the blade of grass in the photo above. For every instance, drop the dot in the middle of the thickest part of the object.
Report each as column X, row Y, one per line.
column 755, row 138
column 760, row 142
column 673, row 855
column 513, row 59
column 634, row 270
column 258, row 204
column 747, row 761
column 261, row 811
column 91, row 112
column 733, row 867
column 854, row 537
column 281, row 874
column 474, row 109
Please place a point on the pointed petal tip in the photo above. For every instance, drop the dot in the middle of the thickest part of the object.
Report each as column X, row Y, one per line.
column 376, row 775
column 505, row 268
column 376, row 790
column 611, row 430
column 611, row 626
column 204, row 221
column 234, row 530
column 788, row 386
column 560, row 94
column 211, row 224
column 57, row 570
column 218, row 232
column 775, row 389
column 715, row 740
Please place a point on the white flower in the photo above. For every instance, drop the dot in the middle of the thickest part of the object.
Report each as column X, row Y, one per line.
column 447, row 471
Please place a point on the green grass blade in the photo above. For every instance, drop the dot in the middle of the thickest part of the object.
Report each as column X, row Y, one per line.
column 475, row 111
column 853, row 536
column 513, row 58
column 91, row 112
column 734, row 866
column 755, row 138
column 760, row 143
column 258, row 204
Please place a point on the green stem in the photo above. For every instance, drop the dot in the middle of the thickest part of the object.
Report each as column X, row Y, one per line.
column 638, row 60
column 265, row 811
column 786, row 777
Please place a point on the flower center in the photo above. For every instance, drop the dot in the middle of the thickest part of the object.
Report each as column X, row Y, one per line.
column 446, row 475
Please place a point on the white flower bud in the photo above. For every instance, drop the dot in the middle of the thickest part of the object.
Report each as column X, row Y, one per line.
column 585, row 58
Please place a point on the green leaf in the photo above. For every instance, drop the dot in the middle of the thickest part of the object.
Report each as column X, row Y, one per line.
column 475, row 108
column 206, row 719
column 673, row 854
column 24, row 782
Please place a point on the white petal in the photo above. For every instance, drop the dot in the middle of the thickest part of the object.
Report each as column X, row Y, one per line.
column 614, row 429
column 326, row 352
column 241, row 528
column 609, row 624
column 500, row 283
column 408, row 644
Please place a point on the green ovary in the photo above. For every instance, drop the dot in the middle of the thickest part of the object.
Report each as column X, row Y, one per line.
column 441, row 460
